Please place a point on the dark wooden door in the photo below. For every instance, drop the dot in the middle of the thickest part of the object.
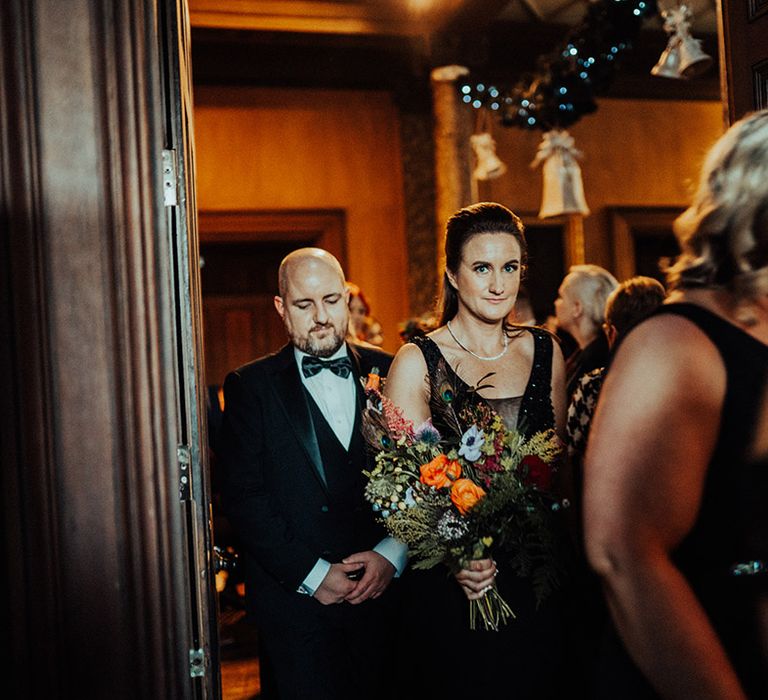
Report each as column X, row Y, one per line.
column 239, row 316
column 744, row 56
column 106, row 584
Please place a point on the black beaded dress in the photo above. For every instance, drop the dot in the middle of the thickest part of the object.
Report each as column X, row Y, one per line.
column 725, row 555
column 442, row 657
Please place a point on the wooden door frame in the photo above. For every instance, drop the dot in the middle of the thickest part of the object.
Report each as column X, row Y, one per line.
column 323, row 228
column 624, row 222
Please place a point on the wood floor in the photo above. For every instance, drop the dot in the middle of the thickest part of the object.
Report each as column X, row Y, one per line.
column 239, row 657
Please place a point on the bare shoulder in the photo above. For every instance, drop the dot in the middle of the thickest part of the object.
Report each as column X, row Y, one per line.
column 669, row 345
column 409, row 360
column 674, row 376
column 408, row 355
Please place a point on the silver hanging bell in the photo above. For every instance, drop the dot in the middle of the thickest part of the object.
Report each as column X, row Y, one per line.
column 668, row 65
column 489, row 166
column 693, row 60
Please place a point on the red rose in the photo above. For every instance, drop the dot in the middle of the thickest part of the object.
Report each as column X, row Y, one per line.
column 536, row 472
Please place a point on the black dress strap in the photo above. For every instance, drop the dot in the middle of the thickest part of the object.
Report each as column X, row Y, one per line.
column 536, row 410
column 746, row 365
column 432, row 355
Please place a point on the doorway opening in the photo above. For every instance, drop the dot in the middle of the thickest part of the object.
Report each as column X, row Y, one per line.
column 240, row 252
column 643, row 240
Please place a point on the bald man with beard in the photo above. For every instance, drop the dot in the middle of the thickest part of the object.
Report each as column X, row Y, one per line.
column 316, row 562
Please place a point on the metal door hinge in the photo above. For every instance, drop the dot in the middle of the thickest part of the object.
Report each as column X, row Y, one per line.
column 182, row 452
column 196, row 663
column 170, row 195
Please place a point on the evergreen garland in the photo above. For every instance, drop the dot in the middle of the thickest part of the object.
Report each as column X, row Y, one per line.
column 564, row 86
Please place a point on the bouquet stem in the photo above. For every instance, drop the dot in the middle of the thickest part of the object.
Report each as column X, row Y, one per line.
column 492, row 610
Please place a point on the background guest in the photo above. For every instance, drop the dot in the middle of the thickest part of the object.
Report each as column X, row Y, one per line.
column 631, row 302
column 580, row 309
column 363, row 327
column 418, row 326
column 372, row 332
column 359, row 310
column 675, row 516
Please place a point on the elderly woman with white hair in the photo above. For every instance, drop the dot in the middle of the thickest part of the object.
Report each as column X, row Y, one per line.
column 675, row 492
column 580, row 310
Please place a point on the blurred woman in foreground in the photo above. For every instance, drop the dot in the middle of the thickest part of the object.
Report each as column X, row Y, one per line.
column 675, row 515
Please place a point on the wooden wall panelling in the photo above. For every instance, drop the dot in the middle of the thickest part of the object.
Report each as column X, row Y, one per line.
column 548, row 243
column 635, row 152
column 282, row 149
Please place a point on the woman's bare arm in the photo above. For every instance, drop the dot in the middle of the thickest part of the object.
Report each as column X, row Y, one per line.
column 651, row 441
column 406, row 384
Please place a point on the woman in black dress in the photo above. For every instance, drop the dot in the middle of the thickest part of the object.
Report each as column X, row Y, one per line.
column 485, row 257
column 675, row 496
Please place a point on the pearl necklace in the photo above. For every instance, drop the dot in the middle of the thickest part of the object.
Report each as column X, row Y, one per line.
column 474, row 354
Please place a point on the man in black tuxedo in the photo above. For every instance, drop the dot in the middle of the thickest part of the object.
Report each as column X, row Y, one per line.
column 316, row 561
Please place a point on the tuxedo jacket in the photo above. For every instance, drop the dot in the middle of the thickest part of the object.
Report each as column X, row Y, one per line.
column 286, row 514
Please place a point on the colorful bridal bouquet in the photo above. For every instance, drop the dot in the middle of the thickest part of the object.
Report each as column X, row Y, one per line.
column 478, row 490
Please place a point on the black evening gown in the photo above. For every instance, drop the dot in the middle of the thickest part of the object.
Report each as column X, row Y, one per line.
column 725, row 556
column 440, row 655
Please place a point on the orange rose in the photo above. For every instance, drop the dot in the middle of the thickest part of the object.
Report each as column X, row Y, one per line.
column 440, row 472
column 453, row 470
column 465, row 493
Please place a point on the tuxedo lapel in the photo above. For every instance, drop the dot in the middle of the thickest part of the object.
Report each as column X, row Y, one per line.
column 357, row 370
column 290, row 395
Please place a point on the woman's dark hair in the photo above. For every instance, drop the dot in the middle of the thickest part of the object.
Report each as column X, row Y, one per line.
column 355, row 291
column 484, row 217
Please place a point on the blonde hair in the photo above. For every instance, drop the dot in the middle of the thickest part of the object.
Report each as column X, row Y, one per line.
column 723, row 235
column 591, row 285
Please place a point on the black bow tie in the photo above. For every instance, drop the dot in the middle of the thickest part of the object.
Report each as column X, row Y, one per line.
column 311, row 365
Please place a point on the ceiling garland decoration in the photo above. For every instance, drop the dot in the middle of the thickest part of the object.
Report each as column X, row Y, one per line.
column 563, row 87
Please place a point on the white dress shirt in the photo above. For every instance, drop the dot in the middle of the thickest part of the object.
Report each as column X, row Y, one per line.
column 336, row 397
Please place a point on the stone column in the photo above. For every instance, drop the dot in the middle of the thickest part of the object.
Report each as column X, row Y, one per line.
column 453, row 127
